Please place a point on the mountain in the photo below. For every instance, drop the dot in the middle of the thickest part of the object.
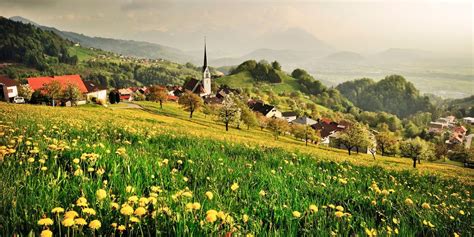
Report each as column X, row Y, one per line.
column 293, row 39
column 138, row 49
column 344, row 56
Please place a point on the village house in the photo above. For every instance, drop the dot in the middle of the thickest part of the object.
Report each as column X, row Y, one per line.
column 442, row 124
column 328, row 129
column 39, row 83
column 267, row 110
column 289, row 116
column 95, row 92
column 457, row 135
column 8, row 89
column 468, row 120
column 304, row 121
column 126, row 94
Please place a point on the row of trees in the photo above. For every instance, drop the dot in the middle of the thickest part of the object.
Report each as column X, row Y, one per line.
column 261, row 71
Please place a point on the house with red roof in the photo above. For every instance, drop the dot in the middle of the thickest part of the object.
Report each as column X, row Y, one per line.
column 8, row 88
column 38, row 83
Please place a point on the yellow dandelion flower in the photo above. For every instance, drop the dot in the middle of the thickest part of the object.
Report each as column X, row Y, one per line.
column 209, row 195
column 71, row 214
column 245, row 218
column 134, row 219
column 408, row 202
column 80, row 221
column 68, row 222
column 455, row 234
column 45, row 221
column 46, row 233
column 313, row 208
column 114, row 205
column 340, row 208
column 143, row 201
column 211, row 216
column 196, row 206
column 262, row 193
column 82, row 202
column 57, row 210
column 100, row 194
column 371, row 232
column 126, row 210
column 296, row 214
column 339, row 214
column 121, row 228
column 89, row 211
column 133, row 199
column 234, row 186
column 461, row 212
column 425, row 205
column 140, row 211
column 95, row 224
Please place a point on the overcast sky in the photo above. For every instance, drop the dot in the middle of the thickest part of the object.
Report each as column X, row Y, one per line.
column 361, row 26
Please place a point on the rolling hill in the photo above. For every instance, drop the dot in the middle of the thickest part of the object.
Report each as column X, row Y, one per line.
column 132, row 48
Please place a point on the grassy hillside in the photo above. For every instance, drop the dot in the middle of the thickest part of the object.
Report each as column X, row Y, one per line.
column 148, row 173
column 245, row 80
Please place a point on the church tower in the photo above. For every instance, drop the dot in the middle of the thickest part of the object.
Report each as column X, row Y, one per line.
column 206, row 75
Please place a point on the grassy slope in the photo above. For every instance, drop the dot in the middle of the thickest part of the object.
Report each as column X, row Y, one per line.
column 202, row 126
column 291, row 179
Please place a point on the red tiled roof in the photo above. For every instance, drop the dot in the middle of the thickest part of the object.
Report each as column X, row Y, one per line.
column 7, row 81
column 37, row 83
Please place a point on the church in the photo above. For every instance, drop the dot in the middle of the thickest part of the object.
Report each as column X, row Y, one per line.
column 201, row 87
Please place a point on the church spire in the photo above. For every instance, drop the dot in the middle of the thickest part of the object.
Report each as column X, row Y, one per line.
column 205, row 56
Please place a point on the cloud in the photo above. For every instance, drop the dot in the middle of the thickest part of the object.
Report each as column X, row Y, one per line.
column 137, row 5
column 28, row 3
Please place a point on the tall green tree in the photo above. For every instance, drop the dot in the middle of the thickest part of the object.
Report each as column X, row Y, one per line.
column 53, row 89
column 72, row 93
column 229, row 112
column 190, row 102
column 355, row 136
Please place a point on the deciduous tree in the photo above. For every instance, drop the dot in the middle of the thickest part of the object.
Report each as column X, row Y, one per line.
column 158, row 94
column 356, row 136
column 190, row 102
column 53, row 89
column 72, row 93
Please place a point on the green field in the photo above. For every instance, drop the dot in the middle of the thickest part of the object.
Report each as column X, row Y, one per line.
column 155, row 172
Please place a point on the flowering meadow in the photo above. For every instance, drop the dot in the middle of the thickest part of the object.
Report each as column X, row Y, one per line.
column 97, row 172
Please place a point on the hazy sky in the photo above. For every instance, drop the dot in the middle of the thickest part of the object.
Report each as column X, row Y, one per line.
column 361, row 26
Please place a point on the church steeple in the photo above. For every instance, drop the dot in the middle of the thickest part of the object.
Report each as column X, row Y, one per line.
column 205, row 56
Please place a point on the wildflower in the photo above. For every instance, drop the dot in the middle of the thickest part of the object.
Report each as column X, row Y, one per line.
column 46, row 233
column 339, row 208
column 209, row 195
column 313, row 208
column 211, row 216
column 140, row 211
column 396, row 221
column 245, row 218
column 71, row 214
column 196, row 206
column 114, row 205
column 76, row 161
column 425, row 205
column 262, row 193
column 126, row 210
column 89, row 211
column 100, row 194
column 408, row 202
column 371, row 232
column 44, row 168
column 296, row 214
column 455, row 234
column 234, row 186
column 339, row 214
column 134, row 219
column 82, row 202
column 45, row 221
column 461, row 212
column 80, row 221
column 68, row 222
column 121, row 228
column 95, row 224
column 133, row 199
column 31, row 159
column 57, row 210
column 130, row 189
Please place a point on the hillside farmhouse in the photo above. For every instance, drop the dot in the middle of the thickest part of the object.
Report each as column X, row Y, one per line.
column 8, row 88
